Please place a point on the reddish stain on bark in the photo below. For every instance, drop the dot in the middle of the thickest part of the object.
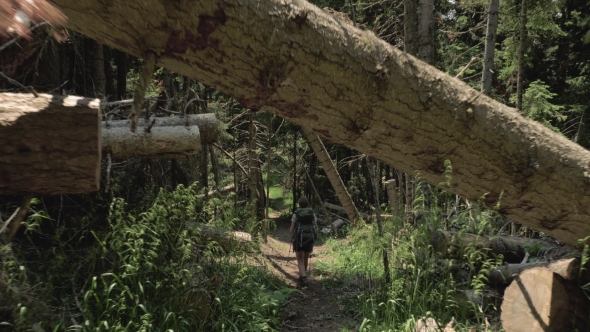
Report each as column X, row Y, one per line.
column 224, row 72
column 179, row 41
column 323, row 132
column 525, row 205
column 491, row 199
column 429, row 151
column 122, row 43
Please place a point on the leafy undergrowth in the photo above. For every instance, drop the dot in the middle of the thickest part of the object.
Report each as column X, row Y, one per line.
column 422, row 284
column 140, row 269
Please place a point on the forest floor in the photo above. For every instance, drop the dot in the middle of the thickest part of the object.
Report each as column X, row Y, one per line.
column 320, row 307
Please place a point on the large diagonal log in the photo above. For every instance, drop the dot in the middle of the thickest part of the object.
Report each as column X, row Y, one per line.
column 332, row 173
column 49, row 144
column 292, row 59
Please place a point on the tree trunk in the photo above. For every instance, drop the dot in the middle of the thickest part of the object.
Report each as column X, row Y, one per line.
column 204, row 170
column 295, row 198
column 490, row 47
column 252, row 166
column 385, row 256
column 426, row 31
column 49, row 145
column 332, row 174
column 521, row 51
column 374, row 98
column 392, row 196
column 96, row 74
column 121, row 62
column 109, row 88
column 512, row 248
column 539, row 300
column 214, row 166
column 207, row 124
column 411, row 19
column 568, row 268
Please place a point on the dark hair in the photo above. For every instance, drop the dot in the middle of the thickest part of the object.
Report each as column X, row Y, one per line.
column 303, row 202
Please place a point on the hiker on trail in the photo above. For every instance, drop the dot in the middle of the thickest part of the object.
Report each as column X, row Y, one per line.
column 303, row 233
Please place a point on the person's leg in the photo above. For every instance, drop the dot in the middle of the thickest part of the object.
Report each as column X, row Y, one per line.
column 306, row 259
column 301, row 263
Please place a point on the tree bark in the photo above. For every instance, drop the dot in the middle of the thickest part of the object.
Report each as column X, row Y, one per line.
column 392, row 196
column 490, row 47
column 541, row 300
column 426, row 31
column 521, row 51
column 160, row 142
column 345, row 84
column 332, row 174
column 253, row 169
column 96, row 75
column 411, row 19
column 49, row 145
column 207, row 124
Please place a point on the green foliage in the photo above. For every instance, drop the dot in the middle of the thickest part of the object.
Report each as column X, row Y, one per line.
column 146, row 271
column 536, row 105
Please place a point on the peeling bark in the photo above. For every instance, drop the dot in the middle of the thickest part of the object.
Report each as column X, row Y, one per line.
column 292, row 59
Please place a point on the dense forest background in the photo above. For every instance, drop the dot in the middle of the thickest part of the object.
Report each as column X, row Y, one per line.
column 98, row 261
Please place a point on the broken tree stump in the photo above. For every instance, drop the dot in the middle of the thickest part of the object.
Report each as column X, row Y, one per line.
column 540, row 300
column 49, row 144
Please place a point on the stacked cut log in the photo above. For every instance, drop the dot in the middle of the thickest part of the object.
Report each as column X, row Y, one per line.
column 542, row 296
column 167, row 137
column 540, row 300
column 568, row 269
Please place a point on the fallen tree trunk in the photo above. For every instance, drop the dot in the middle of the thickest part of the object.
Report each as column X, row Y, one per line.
column 159, row 142
column 341, row 209
column 49, row 144
column 539, row 300
column 223, row 191
column 332, row 173
column 512, row 248
column 568, row 268
column 207, row 123
column 295, row 60
column 225, row 238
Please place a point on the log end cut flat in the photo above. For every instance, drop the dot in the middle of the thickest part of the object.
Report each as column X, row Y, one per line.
column 539, row 300
column 49, row 144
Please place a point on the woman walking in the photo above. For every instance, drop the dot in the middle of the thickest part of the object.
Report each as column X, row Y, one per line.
column 303, row 232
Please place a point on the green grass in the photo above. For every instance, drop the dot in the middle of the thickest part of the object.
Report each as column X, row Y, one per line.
column 279, row 200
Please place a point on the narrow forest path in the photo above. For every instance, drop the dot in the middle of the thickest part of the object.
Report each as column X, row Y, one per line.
column 318, row 307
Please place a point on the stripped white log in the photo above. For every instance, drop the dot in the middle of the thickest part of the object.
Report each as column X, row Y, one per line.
column 160, row 142
column 207, row 124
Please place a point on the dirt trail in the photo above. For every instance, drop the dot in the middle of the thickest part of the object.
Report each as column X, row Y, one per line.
column 318, row 307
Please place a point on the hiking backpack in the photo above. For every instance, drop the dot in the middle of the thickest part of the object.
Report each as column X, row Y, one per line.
column 306, row 227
